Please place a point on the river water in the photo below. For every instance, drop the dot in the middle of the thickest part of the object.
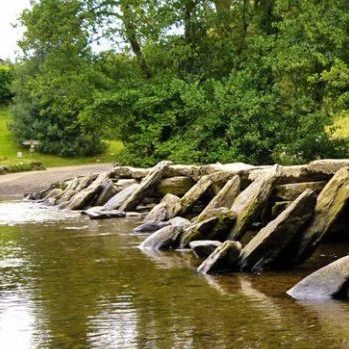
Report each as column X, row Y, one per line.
column 68, row 282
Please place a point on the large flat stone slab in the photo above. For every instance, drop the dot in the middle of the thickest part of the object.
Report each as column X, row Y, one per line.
column 328, row 166
column 289, row 192
column 178, row 185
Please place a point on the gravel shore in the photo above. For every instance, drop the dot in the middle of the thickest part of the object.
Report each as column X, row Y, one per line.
column 17, row 184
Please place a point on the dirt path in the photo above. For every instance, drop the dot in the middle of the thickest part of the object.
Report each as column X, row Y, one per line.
column 16, row 184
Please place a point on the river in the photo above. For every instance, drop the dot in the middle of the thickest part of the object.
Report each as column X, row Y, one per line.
column 68, row 282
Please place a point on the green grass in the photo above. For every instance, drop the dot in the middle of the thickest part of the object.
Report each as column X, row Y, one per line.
column 9, row 149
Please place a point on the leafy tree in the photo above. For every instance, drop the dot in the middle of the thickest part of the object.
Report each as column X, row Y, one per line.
column 6, row 77
column 192, row 81
column 56, row 81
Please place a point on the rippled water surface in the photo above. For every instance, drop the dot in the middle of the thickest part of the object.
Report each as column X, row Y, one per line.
column 67, row 282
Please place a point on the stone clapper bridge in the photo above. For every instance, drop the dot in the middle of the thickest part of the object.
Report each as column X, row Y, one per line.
column 235, row 217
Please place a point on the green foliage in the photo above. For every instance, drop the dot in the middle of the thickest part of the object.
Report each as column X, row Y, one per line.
column 9, row 149
column 55, row 82
column 6, row 77
column 192, row 81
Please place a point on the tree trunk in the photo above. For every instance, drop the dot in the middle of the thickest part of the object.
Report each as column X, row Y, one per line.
column 224, row 15
column 131, row 36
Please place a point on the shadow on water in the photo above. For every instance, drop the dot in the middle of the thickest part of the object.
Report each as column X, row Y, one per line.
column 75, row 283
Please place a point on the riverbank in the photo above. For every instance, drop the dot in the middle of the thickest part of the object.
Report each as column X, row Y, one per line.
column 17, row 184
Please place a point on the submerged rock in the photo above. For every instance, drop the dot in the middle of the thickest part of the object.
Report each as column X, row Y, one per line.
column 150, row 227
column 331, row 281
column 224, row 258
column 166, row 237
column 269, row 244
column 203, row 248
column 99, row 212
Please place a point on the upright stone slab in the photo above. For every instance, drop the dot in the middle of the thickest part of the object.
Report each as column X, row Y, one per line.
column 328, row 282
column 166, row 209
column 107, row 192
column 85, row 181
column 251, row 202
column 118, row 199
column 330, row 204
column 224, row 258
column 69, row 191
column 194, row 194
column 269, row 244
column 225, row 197
column 146, row 185
column 83, row 198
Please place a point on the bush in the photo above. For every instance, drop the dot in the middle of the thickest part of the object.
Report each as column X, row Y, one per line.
column 6, row 77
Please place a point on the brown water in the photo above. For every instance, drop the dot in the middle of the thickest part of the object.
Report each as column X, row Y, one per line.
column 84, row 284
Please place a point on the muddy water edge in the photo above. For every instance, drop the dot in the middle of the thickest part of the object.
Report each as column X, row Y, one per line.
column 69, row 282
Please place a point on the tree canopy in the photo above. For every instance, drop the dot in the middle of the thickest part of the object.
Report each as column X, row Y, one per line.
column 187, row 80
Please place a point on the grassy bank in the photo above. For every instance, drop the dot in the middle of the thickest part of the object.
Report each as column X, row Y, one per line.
column 9, row 149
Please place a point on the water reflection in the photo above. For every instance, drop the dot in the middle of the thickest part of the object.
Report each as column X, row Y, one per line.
column 80, row 284
column 114, row 327
column 17, row 322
